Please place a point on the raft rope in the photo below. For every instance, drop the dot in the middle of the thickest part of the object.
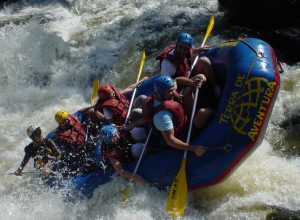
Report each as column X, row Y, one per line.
column 227, row 145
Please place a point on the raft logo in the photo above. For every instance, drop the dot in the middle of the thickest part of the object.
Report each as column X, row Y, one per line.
column 247, row 111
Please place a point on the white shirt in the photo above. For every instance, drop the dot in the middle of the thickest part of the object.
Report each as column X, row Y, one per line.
column 162, row 120
column 107, row 114
column 167, row 68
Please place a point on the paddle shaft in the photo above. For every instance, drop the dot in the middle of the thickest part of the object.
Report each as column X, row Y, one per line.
column 128, row 188
column 192, row 119
column 208, row 31
column 176, row 201
column 137, row 80
column 209, row 28
column 27, row 173
column 144, row 148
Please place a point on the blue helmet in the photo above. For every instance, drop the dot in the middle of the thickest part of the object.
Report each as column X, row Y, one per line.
column 107, row 133
column 184, row 38
column 162, row 83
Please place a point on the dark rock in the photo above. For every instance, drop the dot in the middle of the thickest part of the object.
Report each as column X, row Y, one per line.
column 260, row 14
column 279, row 213
column 3, row 3
column 276, row 21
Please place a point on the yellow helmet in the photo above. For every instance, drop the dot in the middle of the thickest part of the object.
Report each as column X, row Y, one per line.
column 61, row 116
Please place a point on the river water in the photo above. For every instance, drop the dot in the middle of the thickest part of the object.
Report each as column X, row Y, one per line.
column 49, row 56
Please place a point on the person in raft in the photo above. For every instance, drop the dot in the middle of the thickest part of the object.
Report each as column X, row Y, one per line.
column 77, row 153
column 44, row 152
column 167, row 117
column 176, row 60
column 118, row 148
column 112, row 106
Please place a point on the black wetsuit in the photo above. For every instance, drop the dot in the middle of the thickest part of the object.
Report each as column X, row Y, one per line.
column 39, row 153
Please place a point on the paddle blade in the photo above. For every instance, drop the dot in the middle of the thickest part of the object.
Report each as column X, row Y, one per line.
column 209, row 28
column 125, row 194
column 141, row 65
column 95, row 90
column 178, row 192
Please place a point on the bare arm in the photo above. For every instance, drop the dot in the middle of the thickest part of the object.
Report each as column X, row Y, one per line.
column 136, row 123
column 172, row 141
column 200, row 49
column 197, row 80
column 86, row 109
column 25, row 160
column 183, row 81
column 125, row 174
column 133, row 86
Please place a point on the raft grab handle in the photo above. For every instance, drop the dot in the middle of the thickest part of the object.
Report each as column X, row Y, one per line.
column 227, row 148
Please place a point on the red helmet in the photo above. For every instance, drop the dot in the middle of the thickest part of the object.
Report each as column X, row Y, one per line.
column 105, row 92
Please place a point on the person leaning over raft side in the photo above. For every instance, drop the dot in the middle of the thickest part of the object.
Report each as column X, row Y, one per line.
column 70, row 135
column 44, row 152
column 175, row 61
column 112, row 105
column 167, row 116
column 118, row 148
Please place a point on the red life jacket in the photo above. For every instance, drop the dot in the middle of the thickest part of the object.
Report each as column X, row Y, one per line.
column 74, row 133
column 180, row 120
column 182, row 67
column 118, row 106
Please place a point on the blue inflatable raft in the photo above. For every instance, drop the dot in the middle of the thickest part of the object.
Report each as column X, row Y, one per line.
column 248, row 69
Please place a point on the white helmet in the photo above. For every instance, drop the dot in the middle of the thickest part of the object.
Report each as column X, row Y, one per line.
column 31, row 130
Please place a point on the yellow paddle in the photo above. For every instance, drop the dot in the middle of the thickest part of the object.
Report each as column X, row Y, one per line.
column 94, row 94
column 27, row 173
column 178, row 191
column 209, row 29
column 95, row 90
column 137, row 79
column 128, row 187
